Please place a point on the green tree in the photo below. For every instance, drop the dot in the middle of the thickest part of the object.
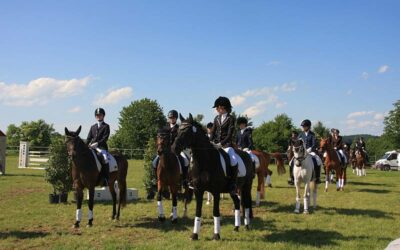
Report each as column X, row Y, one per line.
column 199, row 118
column 149, row 178
column 392, row 126
column 138, row 123
column 320, row 130
column 273, row 136
column 376, row 147
column 37, row 133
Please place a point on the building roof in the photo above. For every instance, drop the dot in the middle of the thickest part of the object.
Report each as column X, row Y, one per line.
column 1, row 133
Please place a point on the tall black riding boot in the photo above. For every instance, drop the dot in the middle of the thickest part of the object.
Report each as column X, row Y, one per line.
column 233, row 178
column 106, row 175
column 185, row 176
column 291, row 181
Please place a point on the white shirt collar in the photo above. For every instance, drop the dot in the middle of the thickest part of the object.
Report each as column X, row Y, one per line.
column 171, row 125
column 99, row 123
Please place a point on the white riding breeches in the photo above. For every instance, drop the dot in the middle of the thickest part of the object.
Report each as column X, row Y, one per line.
column 317, row 158
column 343, row 155
column 232, row 155
column 104, row 153
column 254, row 158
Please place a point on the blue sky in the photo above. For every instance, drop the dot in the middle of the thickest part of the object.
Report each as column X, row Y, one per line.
column 333, row 61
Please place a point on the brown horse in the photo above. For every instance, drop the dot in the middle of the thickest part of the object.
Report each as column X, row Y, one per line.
column 332, row 161
column 360, row 162
column 353, row 160
column 85, row 174
column 168, row 175
column 261, row 172
column 290, row 156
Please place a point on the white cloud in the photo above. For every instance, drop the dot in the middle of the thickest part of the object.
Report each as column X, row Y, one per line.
column 289, row 87
column 279, row 105
column 74, row 109
column 273, row 63
column 359, row 113
column 349, row 92
column 40, row 91
column 114, row 96
column 237, row 100
column 382, row 69
column 365, row 75
column 367, row 121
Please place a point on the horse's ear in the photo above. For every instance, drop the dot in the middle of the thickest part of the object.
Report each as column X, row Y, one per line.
column 181, row 117
column 78, row 131
column 66, row 131
column 190, row 118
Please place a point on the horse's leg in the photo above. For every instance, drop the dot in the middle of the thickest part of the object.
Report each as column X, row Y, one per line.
column 208, row 198
column 297, row 185
column 306, row 196
column 364, row 170
column 236, row 203
column 91, row 203
column 260, row 179
column 161, row 216
column 174, row 206
column 314, row 187
column 327, row 177
column 197, row 219
column 114, row 198
column 217, row 217
column 79, row 198
column 246, row 203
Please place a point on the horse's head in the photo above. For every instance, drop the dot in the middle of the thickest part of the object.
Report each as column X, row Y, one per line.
column 72, row 140
column 323, row 144
column 187, row 133
column 299, row 149
column 163, row 141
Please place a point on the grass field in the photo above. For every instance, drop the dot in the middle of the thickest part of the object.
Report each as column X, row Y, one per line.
column 365, row 216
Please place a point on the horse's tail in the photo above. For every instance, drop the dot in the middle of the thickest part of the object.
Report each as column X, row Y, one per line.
column 122, row 173
column 280, row 166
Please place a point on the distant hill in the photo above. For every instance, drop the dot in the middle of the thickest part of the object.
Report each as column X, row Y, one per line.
column 348, row 139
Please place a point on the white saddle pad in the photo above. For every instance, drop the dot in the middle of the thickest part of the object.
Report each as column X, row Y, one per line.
column 112, row 163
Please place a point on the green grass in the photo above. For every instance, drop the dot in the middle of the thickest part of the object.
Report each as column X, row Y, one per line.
column 364, row 216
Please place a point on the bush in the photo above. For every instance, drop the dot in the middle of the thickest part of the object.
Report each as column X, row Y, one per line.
column 149, row 178
column 58, row 173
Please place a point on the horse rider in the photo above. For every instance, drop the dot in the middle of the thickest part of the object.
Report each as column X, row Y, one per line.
column 209, row 129
column 97, row 140
column 291, row 142
column 360, row 145
column 173, row 127
column 222, row 135
column 311, row 145
column 244, row 139
column 337, row 143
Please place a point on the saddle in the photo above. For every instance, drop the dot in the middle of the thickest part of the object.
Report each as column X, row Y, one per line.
column 112, row 163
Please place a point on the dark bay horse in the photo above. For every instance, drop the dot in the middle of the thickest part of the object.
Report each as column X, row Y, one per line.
column 360, row 162
column 208, row 174
column 332, row 161
column 85, row 174
column 168, row 175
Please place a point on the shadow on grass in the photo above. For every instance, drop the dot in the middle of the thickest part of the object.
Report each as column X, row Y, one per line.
column 354, row 211
column 376, row 191
column 184, row 224
column 22, row 234
column 369, row 184
column 24, row 175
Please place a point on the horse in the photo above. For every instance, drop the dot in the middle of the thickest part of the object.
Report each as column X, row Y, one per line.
column 360, row 162
column 168, row 175
column 85, row 174
column 332, row 161
column 261, row 172
column 353, row 160
column 303, row 172
column 208, row 175
column 290, row 156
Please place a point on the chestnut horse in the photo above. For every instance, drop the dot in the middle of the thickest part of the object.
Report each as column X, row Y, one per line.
column 85, row 174
column 332, row 161
column 168, row 175
column 360, row 162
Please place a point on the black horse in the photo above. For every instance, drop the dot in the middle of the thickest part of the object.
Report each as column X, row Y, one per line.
column 208, row 175
column 85, row 174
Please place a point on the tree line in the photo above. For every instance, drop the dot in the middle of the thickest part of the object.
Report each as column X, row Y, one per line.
column 140, row 120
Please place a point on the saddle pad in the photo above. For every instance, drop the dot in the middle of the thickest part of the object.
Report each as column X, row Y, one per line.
column 97, row 160
column 112, row 163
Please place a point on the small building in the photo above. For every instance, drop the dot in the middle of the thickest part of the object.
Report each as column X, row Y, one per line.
column 3, row 146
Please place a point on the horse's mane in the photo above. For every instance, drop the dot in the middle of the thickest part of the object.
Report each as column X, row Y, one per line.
column 202, row 132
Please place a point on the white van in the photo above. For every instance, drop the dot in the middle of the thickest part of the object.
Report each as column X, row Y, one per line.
column 389, row 161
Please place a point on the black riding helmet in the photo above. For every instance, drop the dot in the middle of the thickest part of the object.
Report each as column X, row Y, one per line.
column 99, row 111
column 242, row 120
column 210, row 125
column 306, row 123
column 335, row 130
column 223, row 101
column 173, row 114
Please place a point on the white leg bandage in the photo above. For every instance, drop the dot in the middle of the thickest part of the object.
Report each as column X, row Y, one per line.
column 217, row 225
column 258, row 198
column 247, row 216
column 268, row 179
column 160, row 208
column 197, row 225
column 90, row 215
column 78, row 214
column 174, row 213
column 237, row 218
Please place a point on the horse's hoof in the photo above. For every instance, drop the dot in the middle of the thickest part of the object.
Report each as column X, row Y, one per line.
column 305, row 212
column 161, row 218
column 89, row 225
column 236, row 229
column 194, row 237
column 174, row 221
column 270, row 185
column 296, row 211
column 207, row 203
column 248, row 228
column 216, row 237
column 76, row 225
column 257, row 204
column 326, row 190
